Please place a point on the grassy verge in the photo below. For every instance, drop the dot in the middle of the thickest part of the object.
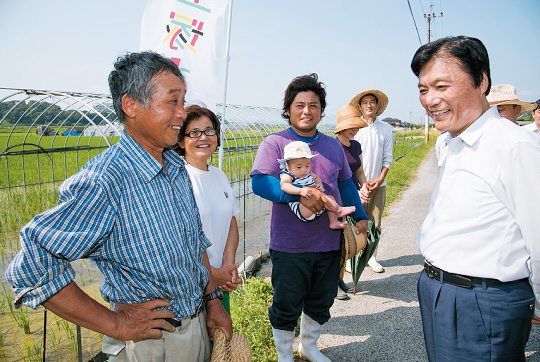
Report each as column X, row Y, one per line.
column 249, row 313
column 403, row 171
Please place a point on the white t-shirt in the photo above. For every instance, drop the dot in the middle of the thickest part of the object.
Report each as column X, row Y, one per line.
column 217, row 205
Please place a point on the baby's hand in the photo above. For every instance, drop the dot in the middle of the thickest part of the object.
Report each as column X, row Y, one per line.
column 319, row 187
column 306, row 192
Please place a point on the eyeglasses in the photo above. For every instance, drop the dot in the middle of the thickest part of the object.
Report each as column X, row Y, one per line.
column 197, row 134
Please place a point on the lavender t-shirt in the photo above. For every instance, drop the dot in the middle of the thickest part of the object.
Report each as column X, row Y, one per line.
column 287, row 232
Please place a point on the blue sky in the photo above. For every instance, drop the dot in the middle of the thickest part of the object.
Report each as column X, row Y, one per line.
column 352, row 44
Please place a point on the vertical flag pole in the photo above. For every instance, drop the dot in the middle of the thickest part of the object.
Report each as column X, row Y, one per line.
column 227, row 59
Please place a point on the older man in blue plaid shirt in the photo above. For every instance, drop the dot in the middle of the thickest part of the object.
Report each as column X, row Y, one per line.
column 130, row 210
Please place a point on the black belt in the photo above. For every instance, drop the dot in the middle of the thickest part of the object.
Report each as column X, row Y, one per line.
column 463, row 281
column 178, row 323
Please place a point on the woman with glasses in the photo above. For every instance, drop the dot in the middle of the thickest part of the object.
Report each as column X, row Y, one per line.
column 197, row 142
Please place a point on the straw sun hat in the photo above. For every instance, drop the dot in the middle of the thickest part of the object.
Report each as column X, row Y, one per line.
column 351, row 243
column 349, row 117
column 506, row 94
column 382, row 100
column 237, row 349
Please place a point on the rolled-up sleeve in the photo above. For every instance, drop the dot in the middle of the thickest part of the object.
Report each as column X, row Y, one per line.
column 73, row 229
column 388, row 148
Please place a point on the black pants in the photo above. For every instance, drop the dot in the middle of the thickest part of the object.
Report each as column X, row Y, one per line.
column 303, row 281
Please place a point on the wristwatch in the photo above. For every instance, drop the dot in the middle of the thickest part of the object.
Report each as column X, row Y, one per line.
column 211, row 296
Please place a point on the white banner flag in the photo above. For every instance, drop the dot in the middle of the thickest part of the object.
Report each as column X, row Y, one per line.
column 193, row 34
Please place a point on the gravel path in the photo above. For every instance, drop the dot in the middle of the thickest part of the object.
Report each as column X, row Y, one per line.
column 382, row 321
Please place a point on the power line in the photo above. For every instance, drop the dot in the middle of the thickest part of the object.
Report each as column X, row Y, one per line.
column 442, row 27
column 422, row 6
column 420, row 40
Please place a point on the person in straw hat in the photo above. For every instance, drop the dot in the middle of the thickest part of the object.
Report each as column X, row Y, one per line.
column 377, row 143
column 349, row 121
column 504, row 96
column 295, row 174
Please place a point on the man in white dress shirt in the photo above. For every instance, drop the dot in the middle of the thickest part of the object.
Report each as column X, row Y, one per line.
column 377, row 142
column 535, row 126
column 480, row 238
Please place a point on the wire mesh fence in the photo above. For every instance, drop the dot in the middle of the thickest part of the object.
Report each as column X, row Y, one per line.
column 47, row 136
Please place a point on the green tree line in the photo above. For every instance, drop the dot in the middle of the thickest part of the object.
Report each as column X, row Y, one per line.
column 45, row 113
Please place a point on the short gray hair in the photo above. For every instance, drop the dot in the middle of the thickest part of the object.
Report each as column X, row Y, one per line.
column 133, row 76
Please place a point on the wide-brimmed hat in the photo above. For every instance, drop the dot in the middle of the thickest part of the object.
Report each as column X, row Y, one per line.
column 382, row 100
column 237, row 349
column 349, row 117
column 295, row 150
column 351, row 243
column 506, row 94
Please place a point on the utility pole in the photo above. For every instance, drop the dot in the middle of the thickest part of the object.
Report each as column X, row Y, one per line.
column 429, row 17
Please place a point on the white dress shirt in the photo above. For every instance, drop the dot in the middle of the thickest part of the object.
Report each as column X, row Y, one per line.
column 532, row 127
column 377, row 142
column 441, row 147
column 483, row 217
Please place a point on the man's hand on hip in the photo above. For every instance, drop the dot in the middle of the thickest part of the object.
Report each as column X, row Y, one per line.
column 142, row 320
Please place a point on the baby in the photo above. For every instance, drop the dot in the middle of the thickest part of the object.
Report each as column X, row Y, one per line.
column 295, row 166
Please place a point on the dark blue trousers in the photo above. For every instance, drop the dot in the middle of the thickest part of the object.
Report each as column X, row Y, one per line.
column 483, row 323
column 303, row 281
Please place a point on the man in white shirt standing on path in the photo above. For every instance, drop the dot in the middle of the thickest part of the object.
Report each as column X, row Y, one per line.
column 480, row 238
column 377, row 142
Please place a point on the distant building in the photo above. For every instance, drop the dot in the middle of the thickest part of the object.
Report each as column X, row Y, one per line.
column 104, row 130
column 42, row 130
column 394, row 122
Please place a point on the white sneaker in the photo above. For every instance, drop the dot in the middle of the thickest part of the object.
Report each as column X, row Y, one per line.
column 341, row 295
column 375, row 266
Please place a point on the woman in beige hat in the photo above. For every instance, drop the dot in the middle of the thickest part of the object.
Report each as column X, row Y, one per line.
column 349, row 121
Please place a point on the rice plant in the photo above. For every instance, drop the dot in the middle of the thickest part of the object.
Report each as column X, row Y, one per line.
column 67, row 327
column 33, row 351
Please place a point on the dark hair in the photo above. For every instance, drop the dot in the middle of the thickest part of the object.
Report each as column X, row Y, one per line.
column 471, row 53
column 303, row 83
column 133, row 76
column 195, row 112
column 537, row 105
